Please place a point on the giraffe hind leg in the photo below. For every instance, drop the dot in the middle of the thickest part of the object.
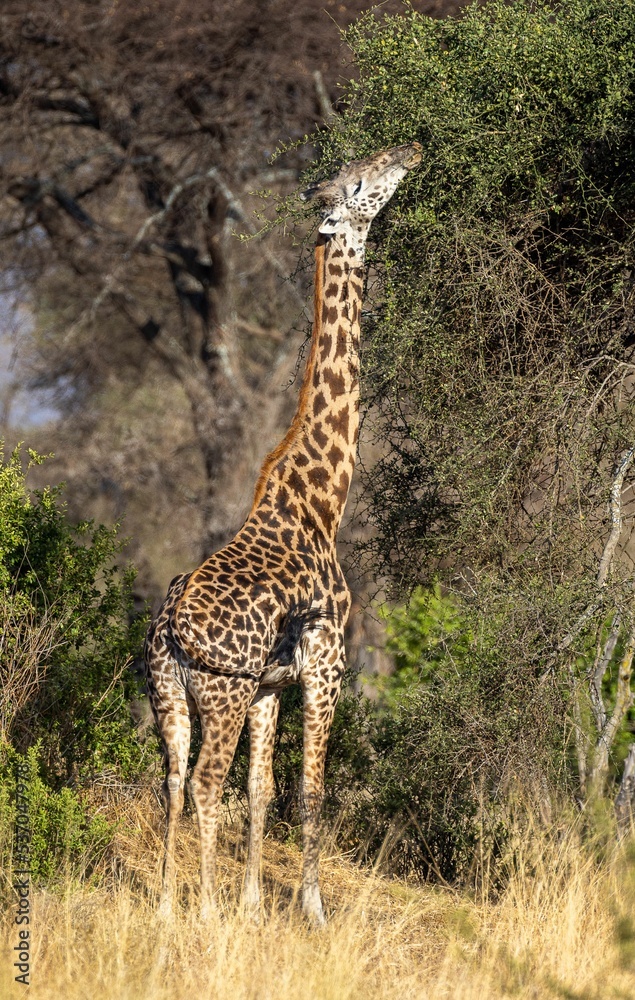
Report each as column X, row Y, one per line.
column 222, row 703
column 175, row 728
column 262, row 716
column 172, row 708
column 321, row 683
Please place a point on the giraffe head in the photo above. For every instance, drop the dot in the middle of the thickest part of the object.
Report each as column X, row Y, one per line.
column 351, row 200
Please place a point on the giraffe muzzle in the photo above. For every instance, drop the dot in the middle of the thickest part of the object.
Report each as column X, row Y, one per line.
column 416, row 157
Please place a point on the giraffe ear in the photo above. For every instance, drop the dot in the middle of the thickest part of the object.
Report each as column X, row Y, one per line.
column 330, row 225
column 310, row 192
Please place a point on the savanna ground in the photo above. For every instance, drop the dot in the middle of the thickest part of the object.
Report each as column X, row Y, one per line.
column 558, row 925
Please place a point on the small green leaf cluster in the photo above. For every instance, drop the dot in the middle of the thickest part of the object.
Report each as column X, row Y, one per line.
column 422, row 636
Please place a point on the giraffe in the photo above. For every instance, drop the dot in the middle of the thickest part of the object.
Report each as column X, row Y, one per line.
column 269, row 608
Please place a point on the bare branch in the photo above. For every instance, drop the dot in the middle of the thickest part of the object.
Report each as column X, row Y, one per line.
column 326, row 108
column 26, row 645
column 585, row 617
column 598, row 670
column 623, row 701
column 615, row 508
column 625, row 798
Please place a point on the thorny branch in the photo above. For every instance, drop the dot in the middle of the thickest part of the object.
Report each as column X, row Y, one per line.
column 615, row 509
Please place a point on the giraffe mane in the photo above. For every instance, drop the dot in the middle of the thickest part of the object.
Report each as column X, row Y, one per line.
column 296, row 424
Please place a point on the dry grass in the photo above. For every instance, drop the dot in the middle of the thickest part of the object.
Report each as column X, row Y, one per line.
column 560, row 928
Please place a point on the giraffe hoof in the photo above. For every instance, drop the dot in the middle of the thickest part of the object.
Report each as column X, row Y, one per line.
column 313, row 912
column 208, row 911
column 316, row 919
column 252, row 915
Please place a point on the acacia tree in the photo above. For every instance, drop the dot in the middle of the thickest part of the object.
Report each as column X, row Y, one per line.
column 500, row 362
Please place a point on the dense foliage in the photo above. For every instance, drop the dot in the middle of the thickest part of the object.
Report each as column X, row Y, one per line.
column 499, row 350
column 460, row 736
column 69, row 637
column 64, row 579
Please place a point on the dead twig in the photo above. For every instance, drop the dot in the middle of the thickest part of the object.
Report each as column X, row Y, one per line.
column 615, row 509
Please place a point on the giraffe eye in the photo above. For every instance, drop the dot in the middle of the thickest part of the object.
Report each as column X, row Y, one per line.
column 358, row 188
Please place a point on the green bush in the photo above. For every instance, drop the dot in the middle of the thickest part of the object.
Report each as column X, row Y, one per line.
column 421, row 635
column 67, row 839
column 69, row 637
column 460, row 731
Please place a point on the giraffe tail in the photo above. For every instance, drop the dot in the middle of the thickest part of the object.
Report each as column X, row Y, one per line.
column 298, row 620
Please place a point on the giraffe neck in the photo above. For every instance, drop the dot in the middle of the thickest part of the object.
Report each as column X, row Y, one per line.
column 309, row 474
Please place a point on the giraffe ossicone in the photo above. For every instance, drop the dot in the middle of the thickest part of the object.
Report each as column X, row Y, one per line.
column 269, row 609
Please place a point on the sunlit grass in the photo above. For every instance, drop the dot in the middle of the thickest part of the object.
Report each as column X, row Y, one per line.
column 560, row 925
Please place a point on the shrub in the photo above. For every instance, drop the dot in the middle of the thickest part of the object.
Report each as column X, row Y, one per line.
column 69, row 638
column 460, row 731
column 70, row 634
column 67, row 838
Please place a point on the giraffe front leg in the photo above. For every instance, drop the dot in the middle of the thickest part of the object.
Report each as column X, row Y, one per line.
column 321, row 691
column 222, row 706
column 262, row 717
